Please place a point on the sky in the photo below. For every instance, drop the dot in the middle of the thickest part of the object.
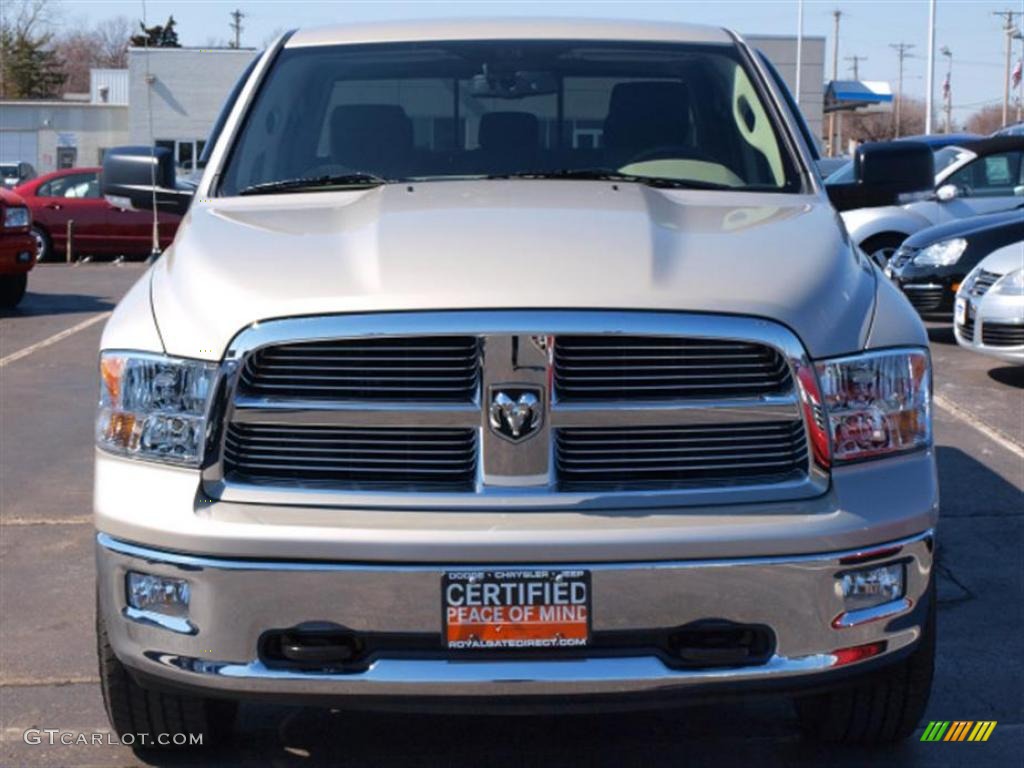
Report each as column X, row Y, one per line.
column 867, row 28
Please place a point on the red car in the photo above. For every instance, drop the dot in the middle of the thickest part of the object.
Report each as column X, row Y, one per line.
column 99, row 228
column 17, row 248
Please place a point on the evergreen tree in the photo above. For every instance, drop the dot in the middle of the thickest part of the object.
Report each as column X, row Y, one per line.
column 157, row 36
column 32, row 70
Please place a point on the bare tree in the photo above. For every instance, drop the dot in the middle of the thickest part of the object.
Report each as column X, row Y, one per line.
column 881, row 126
column 114, row 36
column 985, row 120
column 105, row 46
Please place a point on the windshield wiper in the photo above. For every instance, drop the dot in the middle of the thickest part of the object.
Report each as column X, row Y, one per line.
column 608, row 174
column 302, row 184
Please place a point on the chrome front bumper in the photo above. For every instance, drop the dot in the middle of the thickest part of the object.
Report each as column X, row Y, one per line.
column 234, row 601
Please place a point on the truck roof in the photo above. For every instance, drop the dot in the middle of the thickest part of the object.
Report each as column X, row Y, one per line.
column 550, row 28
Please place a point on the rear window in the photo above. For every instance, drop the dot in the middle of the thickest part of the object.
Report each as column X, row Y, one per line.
column 431, row 111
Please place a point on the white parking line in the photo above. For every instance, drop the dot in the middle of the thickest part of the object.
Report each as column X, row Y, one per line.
column 993, row 434
column 53, row 339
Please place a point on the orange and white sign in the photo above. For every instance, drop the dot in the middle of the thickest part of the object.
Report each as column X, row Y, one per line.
column 516, row 609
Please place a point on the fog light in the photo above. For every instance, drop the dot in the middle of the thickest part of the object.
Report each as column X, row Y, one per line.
column 158, row 594
column 869, row 587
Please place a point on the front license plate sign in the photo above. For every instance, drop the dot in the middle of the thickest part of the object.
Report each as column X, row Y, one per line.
column 516, row 609
column 960, row 310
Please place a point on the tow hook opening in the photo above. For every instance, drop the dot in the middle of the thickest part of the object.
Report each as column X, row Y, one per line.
column 313, row 645
column 722, row 643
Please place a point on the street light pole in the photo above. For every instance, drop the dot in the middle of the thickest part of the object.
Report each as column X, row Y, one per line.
column 931, row 69
column 837, row 14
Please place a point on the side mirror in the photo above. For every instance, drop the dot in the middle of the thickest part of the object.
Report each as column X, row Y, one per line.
column 882, row 172
column 1018, row 191
column 131, row 176
column 947, row 192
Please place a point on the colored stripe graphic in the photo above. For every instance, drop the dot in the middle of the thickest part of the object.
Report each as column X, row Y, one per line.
column 958, row 730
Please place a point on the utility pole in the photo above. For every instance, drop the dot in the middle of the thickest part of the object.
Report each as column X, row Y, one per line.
column 930, row 86
column 853, row 67
column 1009, row 29
column 836, row 15
column 902, row 52
column 799, row 45
column 236, row 25
column 947, row 88
column 1020, row 80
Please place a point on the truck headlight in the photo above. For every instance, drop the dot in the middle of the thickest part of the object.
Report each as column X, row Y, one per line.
column 154, row 407
column 941, row 254
column 877, row 403
column 17, row 217
column 1010, row 284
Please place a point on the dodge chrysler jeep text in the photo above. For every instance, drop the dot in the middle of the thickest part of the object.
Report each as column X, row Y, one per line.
column 514, row 365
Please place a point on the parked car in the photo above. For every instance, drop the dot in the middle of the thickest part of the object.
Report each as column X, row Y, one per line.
column 13, row 174
column 985, row 178
column 17, row 249
column 939, row 140
column 930, row 266
column 579, row 397
column 99, row 227
column 1013, row 129
column 990, row 305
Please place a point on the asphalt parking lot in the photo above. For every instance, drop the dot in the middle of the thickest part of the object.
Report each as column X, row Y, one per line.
column 48, row 673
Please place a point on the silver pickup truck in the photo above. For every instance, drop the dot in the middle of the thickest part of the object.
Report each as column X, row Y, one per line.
column 514, row 365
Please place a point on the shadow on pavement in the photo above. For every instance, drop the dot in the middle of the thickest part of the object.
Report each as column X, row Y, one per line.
column 941, row 334
column 41, row 304
column 1010, row 375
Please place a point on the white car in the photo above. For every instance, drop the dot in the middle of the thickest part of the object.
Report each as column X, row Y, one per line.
column 990, row 306
column 987, row 178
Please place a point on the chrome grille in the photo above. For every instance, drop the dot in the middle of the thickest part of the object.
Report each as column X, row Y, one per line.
column 437, row 368
column 982, row 282
column 925, row 298
column 353, row 457
column 1002, row 334
column 660, row 368
column 656, row 456
column 392, row 411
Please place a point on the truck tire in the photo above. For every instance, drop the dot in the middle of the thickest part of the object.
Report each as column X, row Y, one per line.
column 134, row 710
column 12, row 289
column 882, row 709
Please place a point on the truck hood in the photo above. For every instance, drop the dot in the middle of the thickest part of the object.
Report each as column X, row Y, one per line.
column 510, row 244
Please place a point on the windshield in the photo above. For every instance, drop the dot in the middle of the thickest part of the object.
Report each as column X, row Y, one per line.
column 429, row 111
column 946, row 156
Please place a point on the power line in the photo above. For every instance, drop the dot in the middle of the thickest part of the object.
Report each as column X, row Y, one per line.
column 1011, row 32
column 854, row 67
column 902, row 52
column 236, row 25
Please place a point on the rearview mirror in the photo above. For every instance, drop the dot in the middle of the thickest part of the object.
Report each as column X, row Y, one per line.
column 884, row 171
column 141, row 178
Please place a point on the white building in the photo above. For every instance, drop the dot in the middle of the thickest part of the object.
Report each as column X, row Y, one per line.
column 176, row 94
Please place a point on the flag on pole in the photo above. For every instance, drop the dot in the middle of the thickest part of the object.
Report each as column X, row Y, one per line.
column 1016, row 73
column 946, row 87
